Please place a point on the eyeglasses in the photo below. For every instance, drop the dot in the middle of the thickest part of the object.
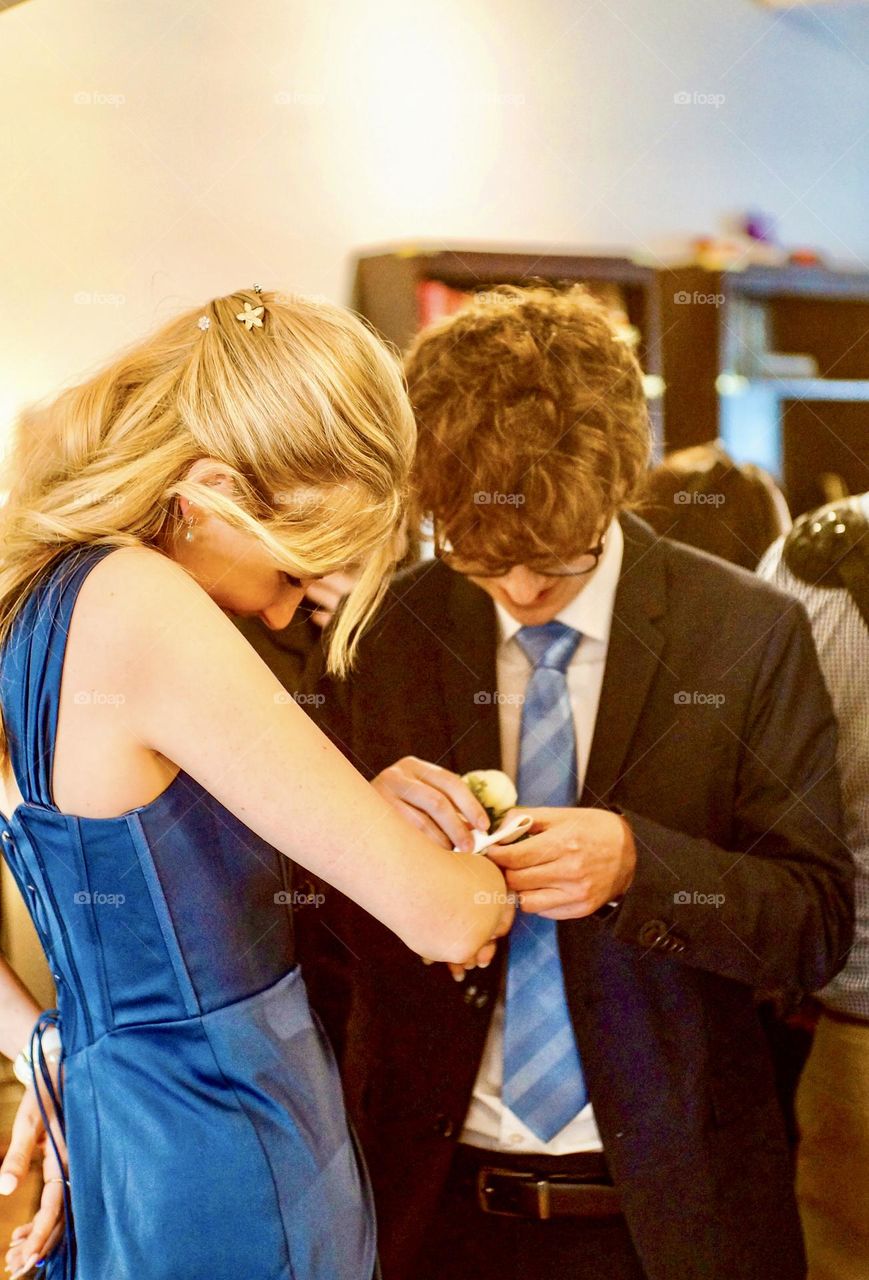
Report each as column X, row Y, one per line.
column 584, row 564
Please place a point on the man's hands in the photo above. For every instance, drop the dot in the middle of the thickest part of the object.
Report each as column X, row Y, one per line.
column 572, row 863
column 38, row 1237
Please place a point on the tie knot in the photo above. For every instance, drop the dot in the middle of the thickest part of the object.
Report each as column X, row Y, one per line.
column 552, row 645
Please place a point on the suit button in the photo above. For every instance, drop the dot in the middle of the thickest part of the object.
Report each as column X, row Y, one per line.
column 653, row 933
column 444, row 1126
column 470, row 992
column 482, row 1000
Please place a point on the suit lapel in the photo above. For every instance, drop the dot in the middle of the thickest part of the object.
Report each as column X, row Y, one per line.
column 633, row 658
column 467, row 653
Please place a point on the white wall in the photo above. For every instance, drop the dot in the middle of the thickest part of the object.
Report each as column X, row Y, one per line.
column 156, row 152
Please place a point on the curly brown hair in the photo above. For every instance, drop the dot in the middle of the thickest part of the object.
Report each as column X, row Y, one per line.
column 533, row 425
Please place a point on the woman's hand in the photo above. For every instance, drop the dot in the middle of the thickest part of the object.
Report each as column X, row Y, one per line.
column 486, row 954
column 434, row 800
column 33, row 1240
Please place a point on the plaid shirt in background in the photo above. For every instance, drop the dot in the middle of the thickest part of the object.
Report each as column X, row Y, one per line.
column 842, row 640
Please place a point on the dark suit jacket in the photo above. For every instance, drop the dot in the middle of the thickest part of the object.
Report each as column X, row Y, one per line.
column 716, row 738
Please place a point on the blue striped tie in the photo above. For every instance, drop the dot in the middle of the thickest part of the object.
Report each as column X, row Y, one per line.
column 543, row 1080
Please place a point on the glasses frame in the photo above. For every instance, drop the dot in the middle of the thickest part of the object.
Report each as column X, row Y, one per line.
column 479, row 571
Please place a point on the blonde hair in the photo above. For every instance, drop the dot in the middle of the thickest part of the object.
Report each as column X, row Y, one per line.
column 529, row 395
column 308, row 415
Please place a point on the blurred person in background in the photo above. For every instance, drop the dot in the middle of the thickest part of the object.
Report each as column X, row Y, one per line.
column 824, row 563
column 703, row 497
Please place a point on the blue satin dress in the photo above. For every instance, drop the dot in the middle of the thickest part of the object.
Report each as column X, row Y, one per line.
column 203, row 1110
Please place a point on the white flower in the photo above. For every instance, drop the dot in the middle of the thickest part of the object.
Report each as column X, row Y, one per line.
column 494, row 790
column 251, row 316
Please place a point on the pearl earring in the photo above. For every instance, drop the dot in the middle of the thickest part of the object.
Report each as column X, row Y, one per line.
column 188, row 537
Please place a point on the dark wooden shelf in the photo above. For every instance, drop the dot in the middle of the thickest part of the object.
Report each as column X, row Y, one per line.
column 695, row 326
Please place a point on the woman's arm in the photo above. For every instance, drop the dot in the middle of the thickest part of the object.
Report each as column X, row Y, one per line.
column 18, row 1012
column 196, row 692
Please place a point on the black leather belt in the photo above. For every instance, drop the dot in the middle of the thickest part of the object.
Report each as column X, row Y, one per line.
column 525, row 1191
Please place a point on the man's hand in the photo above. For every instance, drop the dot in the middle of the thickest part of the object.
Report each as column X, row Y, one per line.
column 573, row 862
column 435, row 800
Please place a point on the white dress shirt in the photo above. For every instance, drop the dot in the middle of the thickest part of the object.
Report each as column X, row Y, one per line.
column 489, row 1123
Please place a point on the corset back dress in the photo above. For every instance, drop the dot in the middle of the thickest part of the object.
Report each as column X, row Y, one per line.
column 203, row 1112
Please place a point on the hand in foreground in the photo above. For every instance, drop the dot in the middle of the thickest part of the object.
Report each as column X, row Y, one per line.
column 435, row 800
column 486, row 954
column 445, row 809
column 35, row 1239
column 327, row 593
column 572, row 862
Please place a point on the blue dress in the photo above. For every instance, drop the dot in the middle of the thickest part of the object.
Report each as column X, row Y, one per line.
column 203, row 1111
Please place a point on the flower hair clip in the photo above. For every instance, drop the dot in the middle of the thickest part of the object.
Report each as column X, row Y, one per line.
column 204, row 322
column 252, row 317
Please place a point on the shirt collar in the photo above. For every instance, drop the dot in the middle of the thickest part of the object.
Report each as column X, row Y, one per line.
column 591, row 611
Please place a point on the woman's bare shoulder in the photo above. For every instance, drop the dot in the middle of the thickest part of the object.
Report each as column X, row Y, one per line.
column 125, row 568
column 127, row 598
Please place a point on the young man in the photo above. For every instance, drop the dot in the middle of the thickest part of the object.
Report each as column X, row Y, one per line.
column 599, row 1101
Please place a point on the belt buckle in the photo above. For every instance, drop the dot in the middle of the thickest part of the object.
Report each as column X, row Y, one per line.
column 541, row 1187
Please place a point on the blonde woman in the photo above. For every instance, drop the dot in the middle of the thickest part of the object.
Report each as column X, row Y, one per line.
column 158, row 783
